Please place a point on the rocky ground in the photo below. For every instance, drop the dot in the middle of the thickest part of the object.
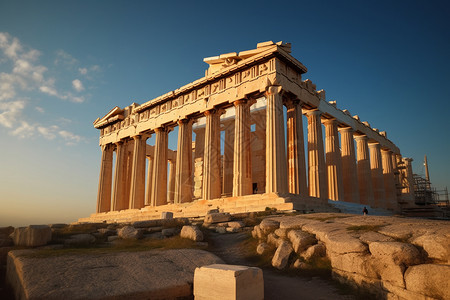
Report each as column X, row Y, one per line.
column 297, row 252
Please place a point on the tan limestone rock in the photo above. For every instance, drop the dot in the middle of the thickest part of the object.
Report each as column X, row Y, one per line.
column 129, row 232
column 217, row 218
column 154, row 274
column 358, row 263
column 371, row 236
column 281, row 256
column 344, row 243
column 436, row 246
column 192, row 233
column 236, row 224
column 314, row 251
column 81, row 239
column 32, row 236
column 228, row 282
column 263, row 248
column 429, row 280
column 300, row 240
column 269, row 225
column 395, row 252
column 281, row 232
column 273, row 239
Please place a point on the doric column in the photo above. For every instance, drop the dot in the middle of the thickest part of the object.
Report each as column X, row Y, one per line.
column 211, row 159
column 119, row 202
column 350, row 178
column 242, row 164
column 376, row 168
column 198, row 161
column 137, row 190
column 105, row 181
column 148, row 195
column 389, row 181
column 171, row 191
column 159, row 184
column 183, row 174
column 333, row 161
column 228, row 157
column 296, row 149
column 129, row 148
column 364, row 174
column 316, row 161
column 276, row 163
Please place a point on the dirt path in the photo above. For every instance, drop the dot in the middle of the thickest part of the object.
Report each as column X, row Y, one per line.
column 276, row 284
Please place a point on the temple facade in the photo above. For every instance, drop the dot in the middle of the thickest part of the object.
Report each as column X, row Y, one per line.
column 242, row 146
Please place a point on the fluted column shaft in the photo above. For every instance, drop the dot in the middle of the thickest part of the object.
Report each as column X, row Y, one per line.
column 148, row 195
column 364, row 174
column 349, row 171
column 171, row 191
column 183, row 174
column 333, row 161
column 242, row 162
column 105, row 180
column 211, row 160
column 296, row 149
column 137, row 190
column 228, row 158
column 118, row 202
column 159, row 180
column 389, row 181
column 276, row 164
column 377, row 175
column 316, row 161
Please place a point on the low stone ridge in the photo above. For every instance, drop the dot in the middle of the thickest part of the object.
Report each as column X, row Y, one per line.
column 152, row 274
column 32, row 236
column 393, row 257
column 217, row 218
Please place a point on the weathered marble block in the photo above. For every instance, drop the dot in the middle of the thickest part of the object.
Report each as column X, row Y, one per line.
column 225, row 282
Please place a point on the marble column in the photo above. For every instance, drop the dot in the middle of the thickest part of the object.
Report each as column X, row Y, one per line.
column 389, row 181
column 376, row 168
column 276, row 163
column 171, row 191
column 364, row 174
column 118, row 198
column 316, row 161
column 148, row 195
column 242, row 163
column 296, row 149
column 333, row 161
column 105, row 181
column 129, row 148
column 211, row 159
column 183, row 174
column 198, row 161
column 349, row 173
column 228, row 153
column 159, row 183
column 137, row 190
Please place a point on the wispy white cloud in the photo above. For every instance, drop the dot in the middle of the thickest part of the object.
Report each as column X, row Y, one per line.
column 28, row 75
column 40, row 109
column 83, row 71
column 77, row 85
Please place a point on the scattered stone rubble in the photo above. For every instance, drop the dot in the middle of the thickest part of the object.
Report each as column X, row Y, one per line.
column 397, row 258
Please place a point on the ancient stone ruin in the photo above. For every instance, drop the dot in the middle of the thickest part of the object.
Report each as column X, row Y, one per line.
column 232, row 152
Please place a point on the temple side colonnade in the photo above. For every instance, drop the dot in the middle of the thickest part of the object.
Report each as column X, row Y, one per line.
column 241, row 136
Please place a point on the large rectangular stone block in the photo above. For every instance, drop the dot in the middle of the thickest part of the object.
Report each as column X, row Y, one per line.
column 228, row 282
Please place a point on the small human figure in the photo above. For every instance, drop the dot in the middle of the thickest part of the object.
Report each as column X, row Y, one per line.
column 365, row 211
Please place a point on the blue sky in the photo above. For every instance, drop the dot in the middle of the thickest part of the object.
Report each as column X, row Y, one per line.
column 65, row 63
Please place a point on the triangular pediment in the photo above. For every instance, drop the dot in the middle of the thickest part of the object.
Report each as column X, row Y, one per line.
column 112, row 116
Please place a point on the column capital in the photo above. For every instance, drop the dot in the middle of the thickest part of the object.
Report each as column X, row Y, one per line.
column 273, row 89
column 118, row 143
column 239, row 102
column 292, row 102
column 346, row 129
column 184, row 121
column 361, row 137
column 314, row 112
column 329, row 121
column 374, row 144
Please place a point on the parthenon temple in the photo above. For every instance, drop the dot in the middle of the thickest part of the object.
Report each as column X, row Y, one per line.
column 243, row 146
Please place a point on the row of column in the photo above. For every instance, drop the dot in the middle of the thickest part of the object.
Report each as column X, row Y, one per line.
column 333, row 173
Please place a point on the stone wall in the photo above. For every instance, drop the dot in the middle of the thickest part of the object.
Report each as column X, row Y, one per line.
column 393, row 257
